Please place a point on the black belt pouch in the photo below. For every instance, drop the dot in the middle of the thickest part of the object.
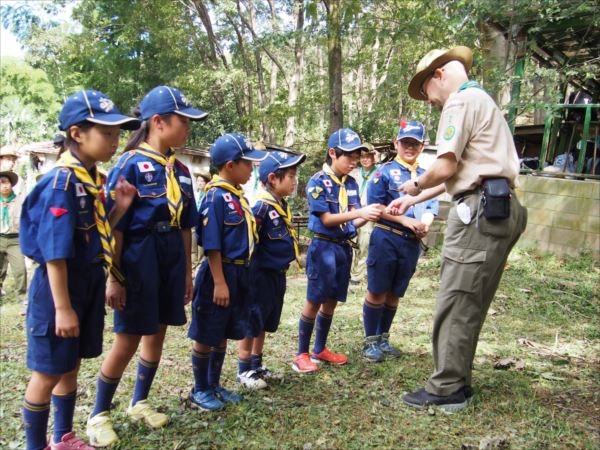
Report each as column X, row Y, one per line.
column 496, row 198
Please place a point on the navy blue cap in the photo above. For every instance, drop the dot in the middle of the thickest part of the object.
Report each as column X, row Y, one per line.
column 165, row 100
column 413, row 129
column 345, row 139
column 95, row 107
column 277, row 160
column 233, row 146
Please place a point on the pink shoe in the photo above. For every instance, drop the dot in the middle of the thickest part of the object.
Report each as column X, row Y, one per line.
column 70, row 441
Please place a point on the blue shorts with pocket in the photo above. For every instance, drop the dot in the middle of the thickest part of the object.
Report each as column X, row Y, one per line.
column 53, row 355
column 328, row 271
column 268, row 291
column 391, row 262
column 211, row 323
column 154, row 267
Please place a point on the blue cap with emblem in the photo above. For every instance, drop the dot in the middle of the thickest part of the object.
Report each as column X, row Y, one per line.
column 165, row 100
column 276, row 160
column 413, row 129
column 345, row 139
column 233, row 146
column 95, row 107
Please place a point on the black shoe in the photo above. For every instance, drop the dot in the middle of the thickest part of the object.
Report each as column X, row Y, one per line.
column 451, row 403
column 469, row 394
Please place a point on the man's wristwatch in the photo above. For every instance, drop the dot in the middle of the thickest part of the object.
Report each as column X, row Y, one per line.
column 416, row 182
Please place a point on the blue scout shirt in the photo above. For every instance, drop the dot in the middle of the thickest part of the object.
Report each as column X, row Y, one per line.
column 385, row 187
column 322, row 194
column 275, row 249
column 58, row 222
column 221, row 225
column 150, row 206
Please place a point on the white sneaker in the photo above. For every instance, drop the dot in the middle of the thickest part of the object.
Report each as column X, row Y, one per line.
column 251, row 380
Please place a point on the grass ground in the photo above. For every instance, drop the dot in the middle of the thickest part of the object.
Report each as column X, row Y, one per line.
column 545, row 317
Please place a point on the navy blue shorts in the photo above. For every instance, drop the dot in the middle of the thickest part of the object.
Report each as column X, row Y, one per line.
column 211, row 323
column 328, row 271
column 154, row 268
column 391, row 263
column 46, row 352
column 268, row 291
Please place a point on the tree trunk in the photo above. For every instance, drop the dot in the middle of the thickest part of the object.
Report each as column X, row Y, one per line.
column 290, row 131
column 321, row 86
column 334, row 61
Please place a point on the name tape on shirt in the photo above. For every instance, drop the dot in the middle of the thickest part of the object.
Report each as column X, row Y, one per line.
column 79, row 190
column 145, row 166
column 186, row 180
column 352, row 192
column 273, row 214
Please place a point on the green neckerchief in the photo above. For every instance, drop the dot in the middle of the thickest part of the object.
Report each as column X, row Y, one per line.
column 256, row 178
column 5, row 202
column 366, row 176
column 470, row 84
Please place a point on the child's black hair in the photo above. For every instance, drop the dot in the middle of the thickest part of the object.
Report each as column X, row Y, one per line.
column 279, row 174
column 338, row 153
column 68, row 143
column 141, row 134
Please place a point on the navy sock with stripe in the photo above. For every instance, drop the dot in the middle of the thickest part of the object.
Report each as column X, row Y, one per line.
column 323, row 325
column 215, row 366
column 200, row 367
column 143, row 381
column 305, row 329
column 387, row 317
column 371, row 317
column 244, row 365
column 256, row 361
column 105, row 391
column 35, row 421
column 63, row 408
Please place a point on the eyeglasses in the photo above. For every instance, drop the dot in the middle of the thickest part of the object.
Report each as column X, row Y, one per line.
column 410, row 144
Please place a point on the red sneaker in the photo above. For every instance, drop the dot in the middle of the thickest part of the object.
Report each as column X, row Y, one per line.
column 329, row 356
column 303, row 364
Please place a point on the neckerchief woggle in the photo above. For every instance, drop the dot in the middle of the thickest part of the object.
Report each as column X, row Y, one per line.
column 174, row 199
column 286, row 215
column 94, row 187
column 217, row 181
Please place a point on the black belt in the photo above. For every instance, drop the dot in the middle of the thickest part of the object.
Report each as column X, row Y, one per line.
column 237, row 262
column 9, row 235
column 464, row 194
column 158, row 227
column 339, row 241
column 405, row 234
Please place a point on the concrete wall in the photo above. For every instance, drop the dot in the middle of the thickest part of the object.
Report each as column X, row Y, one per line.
column 564, row 215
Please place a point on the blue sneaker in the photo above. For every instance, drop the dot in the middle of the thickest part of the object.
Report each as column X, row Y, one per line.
column 206, row 400
column 227, row 396
column 371, row 350
column 387, row 348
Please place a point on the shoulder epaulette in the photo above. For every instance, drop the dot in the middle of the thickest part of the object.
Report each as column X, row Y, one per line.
column 126, row 157
column 62, row 178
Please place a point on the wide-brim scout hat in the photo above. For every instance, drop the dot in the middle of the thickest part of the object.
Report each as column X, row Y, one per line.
column 346, row 140
column 204, row 174
column 9, row 150
column 12, row 176
column 168, row 100
column 233, row 146
column 434, row 59
column 278, row 160
column 368, row 149
column 95, row 107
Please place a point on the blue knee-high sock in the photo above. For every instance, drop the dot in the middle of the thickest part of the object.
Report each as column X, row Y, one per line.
column 143, row 382
column 244, row 365
column 387, row 317
column 200, row 367
column 256, row 361
column 305, row 329
column 215, row 366
column 64, row 409
column 371, row 317
column 323, row 325
column 105, row 391
column 35, row 420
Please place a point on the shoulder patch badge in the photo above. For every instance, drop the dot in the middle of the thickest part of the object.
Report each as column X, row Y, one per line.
column 273, row 214
column 80, row 190
column 145, row 166
column 449, row 132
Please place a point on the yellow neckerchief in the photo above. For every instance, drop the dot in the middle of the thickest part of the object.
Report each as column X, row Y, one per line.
column 94, row 187
column 411, row 167
column 217, row 181
column 343, row 193
column 269, row 199
column 174, row 198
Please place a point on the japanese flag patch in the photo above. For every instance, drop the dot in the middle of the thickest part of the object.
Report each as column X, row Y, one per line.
column 227, row 197
column 145, row 166
column 395, row 172
column 273, row 214
column 327, row 183
column 80, row 190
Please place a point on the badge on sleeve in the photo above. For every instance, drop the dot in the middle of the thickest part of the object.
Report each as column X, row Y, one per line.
column 317, row 192
column 227, row 197
column 186, row 180
column 273, row 214
column 450, row 132
column 327, row 183
column 395, row 172
column 79, row 190
column 145, row 166
column 352, row 192
column 57, row 212
column 148, row 177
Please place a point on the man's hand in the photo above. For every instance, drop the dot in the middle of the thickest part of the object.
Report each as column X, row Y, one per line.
column 371, row 212
column 116, row 295
column 67, row 323
column 221, row 294
column 399, row 206
column 408, row 187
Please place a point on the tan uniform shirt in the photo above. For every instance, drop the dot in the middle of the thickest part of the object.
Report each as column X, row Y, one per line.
column 14, row 215
column 473, row 128
column 357, row 174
